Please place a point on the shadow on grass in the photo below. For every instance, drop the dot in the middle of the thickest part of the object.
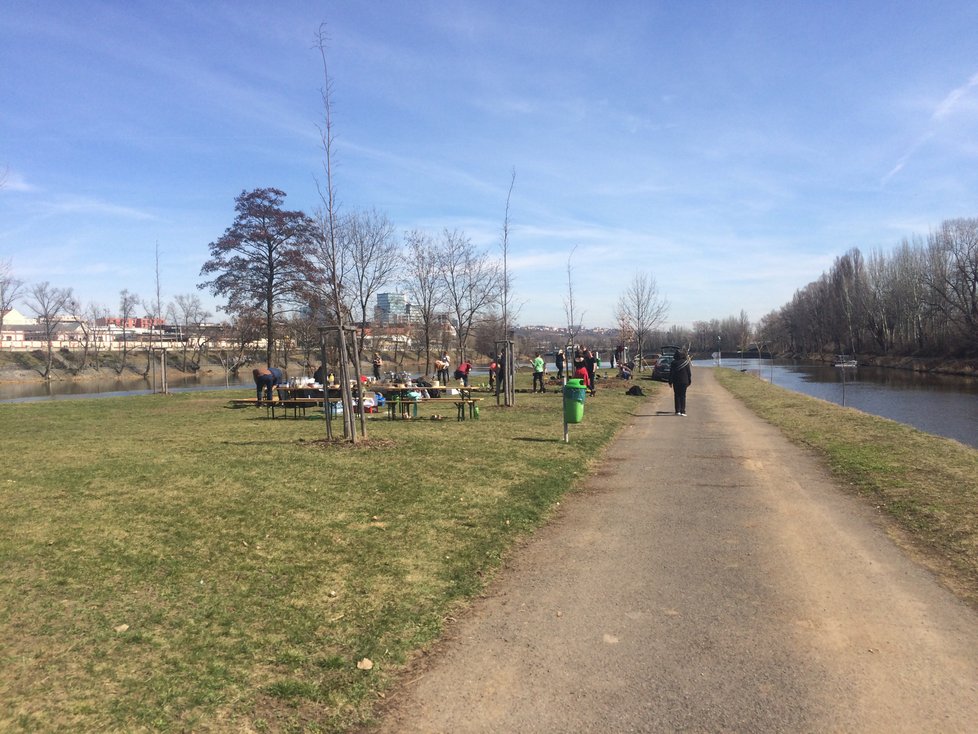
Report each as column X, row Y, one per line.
column 532, row 439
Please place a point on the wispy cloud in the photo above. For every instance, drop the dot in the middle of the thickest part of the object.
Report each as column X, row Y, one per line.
column 947, row 107
column 953, row 100
column 14, row 181
column 87, row 205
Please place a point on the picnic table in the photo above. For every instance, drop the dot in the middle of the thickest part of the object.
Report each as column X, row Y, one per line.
column 403, row 400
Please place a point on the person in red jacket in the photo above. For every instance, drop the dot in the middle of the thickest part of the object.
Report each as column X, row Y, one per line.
column 580, row 371
column 462, row 373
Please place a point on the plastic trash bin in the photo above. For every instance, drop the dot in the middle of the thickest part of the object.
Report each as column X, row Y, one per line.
column 574, row 392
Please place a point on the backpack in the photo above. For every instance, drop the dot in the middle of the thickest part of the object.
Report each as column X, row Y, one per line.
column 635, row 390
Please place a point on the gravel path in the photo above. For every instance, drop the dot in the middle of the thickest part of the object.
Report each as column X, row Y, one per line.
column 711, row 578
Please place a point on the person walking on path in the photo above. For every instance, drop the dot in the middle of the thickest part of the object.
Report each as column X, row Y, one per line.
column 538, row 369
column 680, row 377
column 559, row 364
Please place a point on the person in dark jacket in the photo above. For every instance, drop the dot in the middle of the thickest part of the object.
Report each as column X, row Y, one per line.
column 266, row 378
column 680, row 377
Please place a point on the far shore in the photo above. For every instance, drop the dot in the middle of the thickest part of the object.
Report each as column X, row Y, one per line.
column 135, row 371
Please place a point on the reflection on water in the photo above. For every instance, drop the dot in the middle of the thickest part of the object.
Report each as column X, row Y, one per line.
column 944, row 405
column 21, row 392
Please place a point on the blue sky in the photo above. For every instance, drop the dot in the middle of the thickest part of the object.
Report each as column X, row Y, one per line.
column 732, row 150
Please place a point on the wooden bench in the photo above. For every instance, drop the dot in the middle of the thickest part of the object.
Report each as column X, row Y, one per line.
column 296, row 405
column 402, row 408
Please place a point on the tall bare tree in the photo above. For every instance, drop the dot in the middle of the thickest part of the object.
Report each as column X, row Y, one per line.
column 333, row 258
column 50, row 305
column 11, row 289
column 87, row 318
column 95, row 315
column 643, row 308
column 471, row 282
column 127, row 309
column 574, row 317
column 261, row 259
column 424, row 286
column 374, row 256
column 506, row 277
column 954, row 277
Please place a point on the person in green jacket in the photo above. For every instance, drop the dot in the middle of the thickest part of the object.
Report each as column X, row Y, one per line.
column 538, row 369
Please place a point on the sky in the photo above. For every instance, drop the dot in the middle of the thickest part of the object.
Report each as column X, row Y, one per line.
column 730, row 150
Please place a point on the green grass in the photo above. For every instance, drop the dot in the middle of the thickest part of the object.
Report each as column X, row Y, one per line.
column 925, row 483
column 170, row 564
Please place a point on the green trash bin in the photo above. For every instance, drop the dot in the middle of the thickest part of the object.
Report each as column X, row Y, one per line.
column 574, row 392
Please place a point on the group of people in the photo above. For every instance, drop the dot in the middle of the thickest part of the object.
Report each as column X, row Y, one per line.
column 584, row 364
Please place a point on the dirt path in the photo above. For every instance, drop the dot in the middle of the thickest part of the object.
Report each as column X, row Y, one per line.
column 711, row 579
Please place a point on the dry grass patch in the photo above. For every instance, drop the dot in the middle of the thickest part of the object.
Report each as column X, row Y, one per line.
column 170, row 564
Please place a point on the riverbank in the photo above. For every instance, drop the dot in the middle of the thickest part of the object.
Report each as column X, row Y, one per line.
column 28, row 367
column 922, row 365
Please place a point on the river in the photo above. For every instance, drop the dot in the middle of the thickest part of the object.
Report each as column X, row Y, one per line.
column 943, row 405
column 23, row 392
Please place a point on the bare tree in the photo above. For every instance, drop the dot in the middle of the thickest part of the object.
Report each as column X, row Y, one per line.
column 87, row 320
column 506, row 278
column 374, row 256
column 332, row 258
column 154, row 311
column 243, row 332
column 471, row 282
column 954, row 277
column 95, row 315
column 643, row 309
column 190, row 316
column 127, row 308
column 424, row 286
column 11, row 289
column 574, row 318
column 50, row 306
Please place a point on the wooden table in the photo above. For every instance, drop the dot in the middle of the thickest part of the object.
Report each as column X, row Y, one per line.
column 399, row 405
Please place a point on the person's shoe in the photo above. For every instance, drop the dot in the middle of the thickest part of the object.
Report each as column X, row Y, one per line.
column 683, row 415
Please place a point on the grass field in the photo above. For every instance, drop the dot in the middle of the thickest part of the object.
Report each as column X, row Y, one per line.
column 170, row 564
column 927, row 484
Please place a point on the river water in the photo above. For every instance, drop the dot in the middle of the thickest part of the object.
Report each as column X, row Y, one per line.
column 23, row 392
column 943, row 405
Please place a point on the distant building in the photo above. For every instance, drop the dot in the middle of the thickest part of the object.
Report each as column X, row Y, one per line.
column 13, row 317
column 393, row 308
column 131, row 323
